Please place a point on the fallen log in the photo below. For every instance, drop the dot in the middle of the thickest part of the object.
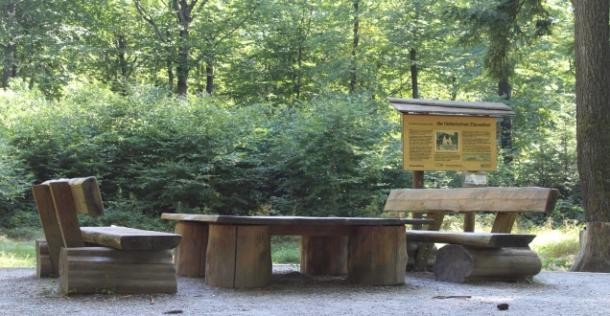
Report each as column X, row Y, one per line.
column 457, row 263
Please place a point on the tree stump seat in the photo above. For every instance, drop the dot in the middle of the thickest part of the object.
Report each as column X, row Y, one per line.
column 234, row 251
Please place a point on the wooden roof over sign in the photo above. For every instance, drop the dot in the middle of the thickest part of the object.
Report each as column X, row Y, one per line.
column 442, row 107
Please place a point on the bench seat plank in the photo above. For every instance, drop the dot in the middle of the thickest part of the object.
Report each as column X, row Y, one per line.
column 124, row 238
column 484, row 240
column 291, row 220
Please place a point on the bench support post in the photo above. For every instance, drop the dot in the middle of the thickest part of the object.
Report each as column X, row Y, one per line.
column 377, row 255
column 324, row 255
column 424, row 249
column 87, row 270
column 504, row 222
column 238, row 256
column 44, row 264
column 191, row 252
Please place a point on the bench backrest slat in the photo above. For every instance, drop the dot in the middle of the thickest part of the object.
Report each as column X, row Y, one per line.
column 494, row 199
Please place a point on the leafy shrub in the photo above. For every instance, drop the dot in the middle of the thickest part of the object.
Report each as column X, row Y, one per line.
column 328, row 158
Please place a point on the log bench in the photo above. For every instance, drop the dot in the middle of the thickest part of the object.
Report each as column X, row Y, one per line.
column 473, row 256
column 98, row 259
column 235, row 251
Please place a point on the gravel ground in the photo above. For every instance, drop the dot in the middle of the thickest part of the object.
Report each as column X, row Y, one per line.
column 291, row 293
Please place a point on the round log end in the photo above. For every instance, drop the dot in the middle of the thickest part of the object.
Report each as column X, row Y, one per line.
column 453, row 263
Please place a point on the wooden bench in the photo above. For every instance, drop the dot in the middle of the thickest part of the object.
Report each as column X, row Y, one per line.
column 473, row 256
column 235, row 251
column 98, row 259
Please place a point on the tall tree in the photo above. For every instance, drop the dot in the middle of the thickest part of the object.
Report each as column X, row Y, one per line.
column 31, row 43
column 504, row 24
column 593, row 130
column 218, row 36
column 355, row 40
column 184, row 13
column 9, row 68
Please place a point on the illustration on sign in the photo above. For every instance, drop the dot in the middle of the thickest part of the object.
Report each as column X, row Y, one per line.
column 447, row 141
column 437, row 142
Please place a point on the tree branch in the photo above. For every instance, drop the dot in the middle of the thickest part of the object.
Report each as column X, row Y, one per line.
column 149, row 19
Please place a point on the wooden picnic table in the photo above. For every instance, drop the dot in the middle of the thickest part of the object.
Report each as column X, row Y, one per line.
column 235, row 251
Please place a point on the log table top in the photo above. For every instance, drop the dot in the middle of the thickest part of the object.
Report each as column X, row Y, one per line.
column 292, row 220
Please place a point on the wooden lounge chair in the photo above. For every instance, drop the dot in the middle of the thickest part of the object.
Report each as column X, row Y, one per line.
column 470, row 256
column 98, row 259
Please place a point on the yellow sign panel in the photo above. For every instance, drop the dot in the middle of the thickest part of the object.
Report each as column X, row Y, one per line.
column 435, row 142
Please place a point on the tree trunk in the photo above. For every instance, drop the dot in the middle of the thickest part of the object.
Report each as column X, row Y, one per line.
column 170, row 73
column 414, row 73
column 182, row 69
column 209, row 76
column 298, row 73
column 356, row 39
column 121, row 45
column 505, row 90
column 183, row 11
column 9, row 68
column 593, row 139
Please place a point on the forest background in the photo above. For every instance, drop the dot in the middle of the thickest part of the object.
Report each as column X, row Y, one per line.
column 271, row 107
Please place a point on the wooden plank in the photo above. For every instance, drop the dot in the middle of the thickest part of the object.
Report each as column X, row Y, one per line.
column 252, row 257
column 503, row 223
column 220, row 256
column 453, row 104
column 497, row 199
column 324, row 255
column 377, row 255
column 487, row 240
column 443, row 110
column 87, row 196
column 86, row 270
column 191, row 252
column 125, row 238
column 50, row 226
column 65, row 213
column 311, row 230
column 286, row 220
column 457, row 263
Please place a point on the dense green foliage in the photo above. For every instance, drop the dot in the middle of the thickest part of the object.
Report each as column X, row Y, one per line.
column 269, row 107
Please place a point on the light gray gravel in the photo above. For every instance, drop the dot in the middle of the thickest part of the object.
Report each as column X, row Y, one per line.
column 551, row 293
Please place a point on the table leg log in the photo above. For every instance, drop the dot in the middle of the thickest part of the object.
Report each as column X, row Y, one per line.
column 238, row 256
column 88, row 270
column 191, row 252
column 324, row 255
column 457, row 263
column 44, row 267
column 377, row 255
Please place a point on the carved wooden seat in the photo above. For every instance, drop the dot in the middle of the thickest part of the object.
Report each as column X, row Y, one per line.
column 98, row 259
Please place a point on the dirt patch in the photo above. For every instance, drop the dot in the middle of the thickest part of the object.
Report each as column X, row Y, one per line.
column 291, row 293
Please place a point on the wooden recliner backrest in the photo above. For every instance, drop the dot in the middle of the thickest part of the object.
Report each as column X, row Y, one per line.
column 58, row 202
column 507, row 202
column 494, row 199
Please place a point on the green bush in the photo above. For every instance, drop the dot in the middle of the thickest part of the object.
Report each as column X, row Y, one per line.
column 328, row 157
column 162, row 152
column 152, row 153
